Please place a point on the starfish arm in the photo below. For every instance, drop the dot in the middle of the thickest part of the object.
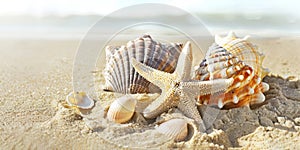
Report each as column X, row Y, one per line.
column 196, row 88
column 157, row 77
column 184, row 64
column 164, row 102
column 188, row 107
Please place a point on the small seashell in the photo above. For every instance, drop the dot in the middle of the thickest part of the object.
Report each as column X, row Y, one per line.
column 237, row 58
column 121, row 77
column 143, row 100
column 122, row 109
column 176, row 129
column 80, row 100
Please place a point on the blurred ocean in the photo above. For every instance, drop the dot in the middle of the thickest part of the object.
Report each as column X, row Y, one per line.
column 76, row 26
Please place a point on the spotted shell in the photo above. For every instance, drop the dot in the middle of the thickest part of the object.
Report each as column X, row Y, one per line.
column 122, row 109
column 176, row 129
column 80, row 100
column 119, row 74
column 237, row 58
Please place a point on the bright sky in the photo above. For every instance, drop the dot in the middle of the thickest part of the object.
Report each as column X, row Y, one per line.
column 67, row 7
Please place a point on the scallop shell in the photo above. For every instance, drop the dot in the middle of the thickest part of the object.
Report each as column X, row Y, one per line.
column 122, row 109
column 237, row 58
column 80, row 100
column 176, row 129
column 119, row 74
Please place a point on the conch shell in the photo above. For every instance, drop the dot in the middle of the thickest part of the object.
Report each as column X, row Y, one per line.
column 237, row 58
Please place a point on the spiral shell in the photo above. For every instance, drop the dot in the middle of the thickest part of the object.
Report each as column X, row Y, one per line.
column 119, row 74
column 237, row 58
column 80, row 100
column 122, row 109
column 176, row 129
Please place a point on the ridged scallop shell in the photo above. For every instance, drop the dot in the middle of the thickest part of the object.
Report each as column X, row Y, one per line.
column 176, row 129
column 237, row 58
column 119, row 74
column 122, row 109
column 80, row 100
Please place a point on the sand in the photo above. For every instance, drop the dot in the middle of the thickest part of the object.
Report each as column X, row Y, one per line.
column 36, row 75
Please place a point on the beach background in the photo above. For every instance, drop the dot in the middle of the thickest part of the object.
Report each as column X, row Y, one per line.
column 39, row 43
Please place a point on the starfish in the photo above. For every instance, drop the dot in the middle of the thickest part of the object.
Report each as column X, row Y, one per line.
column 178, row 89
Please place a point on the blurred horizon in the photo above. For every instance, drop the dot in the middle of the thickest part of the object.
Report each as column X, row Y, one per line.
column 72, row 19
column 94, row 7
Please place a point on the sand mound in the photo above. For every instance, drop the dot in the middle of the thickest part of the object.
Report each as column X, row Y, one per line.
column 275, row 123
column 37, row 75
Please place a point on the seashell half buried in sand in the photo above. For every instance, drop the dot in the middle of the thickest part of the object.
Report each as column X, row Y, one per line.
column 121, row 77
column 143, row 100
column 237, row 58
column 80, row 100
column 122, row 109
column 177, row 129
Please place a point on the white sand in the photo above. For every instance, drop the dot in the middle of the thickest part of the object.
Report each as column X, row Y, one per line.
column 36, row 75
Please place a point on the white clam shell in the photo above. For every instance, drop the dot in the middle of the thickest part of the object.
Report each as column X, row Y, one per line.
column 174, row 128
column 122, row 109
column 80, row 100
